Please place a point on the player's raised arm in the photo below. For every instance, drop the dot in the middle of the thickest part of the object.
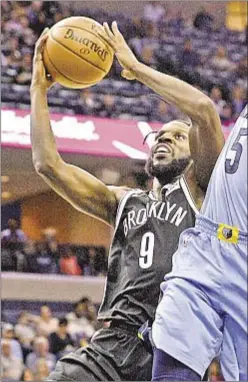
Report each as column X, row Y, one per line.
column 206, row 137
column 79, row 188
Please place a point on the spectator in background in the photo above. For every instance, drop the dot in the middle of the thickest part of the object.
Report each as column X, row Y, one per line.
column 24, row 76
column 89, row 268
column 88, row 104
column 42, row 370
column 203, row 20
column 13, row 235
column 33, row 14
column 188, row 57
column 41, row 350
column 40, row 24
column 27, row 375
column 61, row 341
column 226, row 113
column 147, row 56
column 11, row 367
column 238, row 100
column 217, row 98
column 69, row 263
column 8, row 333
column 162, row 112
column 81, row 322
column 154, row 11
column 241, row 70
column 42, row 261
column 46, row 323
column 109, row 107
column 25, row 329
column 220, row 60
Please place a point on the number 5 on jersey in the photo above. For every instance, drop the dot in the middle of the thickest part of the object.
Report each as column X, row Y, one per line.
column 146, row 250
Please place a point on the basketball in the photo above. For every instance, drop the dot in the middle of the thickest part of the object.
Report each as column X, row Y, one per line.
column 75, row 55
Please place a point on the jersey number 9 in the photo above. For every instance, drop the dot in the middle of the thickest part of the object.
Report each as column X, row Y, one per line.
column 146, row 250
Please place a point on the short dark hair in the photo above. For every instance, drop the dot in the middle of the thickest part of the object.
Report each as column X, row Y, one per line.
column 63, row 321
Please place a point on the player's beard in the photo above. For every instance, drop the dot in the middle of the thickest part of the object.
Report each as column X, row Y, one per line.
column 166, row 173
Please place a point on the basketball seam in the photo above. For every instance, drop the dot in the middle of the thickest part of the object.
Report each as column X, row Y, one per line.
column 86, row 30
column 60, row 43
column 62, row 74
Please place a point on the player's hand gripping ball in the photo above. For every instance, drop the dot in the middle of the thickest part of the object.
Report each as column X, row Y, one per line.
column 75, row 55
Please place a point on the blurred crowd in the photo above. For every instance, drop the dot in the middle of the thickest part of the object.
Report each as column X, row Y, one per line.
column 31, row 346
column 213, row 59
column 21, row 254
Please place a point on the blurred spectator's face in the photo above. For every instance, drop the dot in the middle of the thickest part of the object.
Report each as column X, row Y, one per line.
column 92, row 252
column 108, row 100
column 147, row 53
column 9, row 333
column 162, row 107
column 221, row 52
column 42, row 370
column 216, row 94
column 42, row 17
column 188, row 45
column 29, row 247
column 24, row 21
column 27, row 60
column 238, row 93
column 63, row 328
column 41, row 348
column 6, row 350
column 58, row 16
column 23, row 319
column 28, row 375
column 227, row 112
column 14, row 15
column 170, row 153
column 37, row 5
column 12, row 224
column 45, row 312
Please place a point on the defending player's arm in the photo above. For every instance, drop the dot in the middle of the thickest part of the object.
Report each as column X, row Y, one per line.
column 79, row 188
column 206, row 137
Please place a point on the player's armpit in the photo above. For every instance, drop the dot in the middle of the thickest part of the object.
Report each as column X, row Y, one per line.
column 82, row 190
column 206, row 141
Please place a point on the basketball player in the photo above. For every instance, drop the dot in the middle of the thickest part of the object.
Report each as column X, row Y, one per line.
column 147, row 224
column 208, row 282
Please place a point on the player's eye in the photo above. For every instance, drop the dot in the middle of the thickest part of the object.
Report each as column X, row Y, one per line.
column 180, row 137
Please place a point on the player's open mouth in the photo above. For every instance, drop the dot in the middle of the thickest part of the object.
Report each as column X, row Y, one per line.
column 162, row 149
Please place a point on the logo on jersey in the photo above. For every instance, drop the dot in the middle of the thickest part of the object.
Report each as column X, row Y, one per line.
column 228, row 233
column 163, row 211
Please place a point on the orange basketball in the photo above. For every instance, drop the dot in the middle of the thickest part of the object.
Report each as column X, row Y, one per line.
column 75, row 55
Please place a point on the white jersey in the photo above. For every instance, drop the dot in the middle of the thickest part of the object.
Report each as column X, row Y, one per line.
column 226, row 198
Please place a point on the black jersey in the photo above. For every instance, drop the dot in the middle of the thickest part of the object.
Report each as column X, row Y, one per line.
column 146, row 236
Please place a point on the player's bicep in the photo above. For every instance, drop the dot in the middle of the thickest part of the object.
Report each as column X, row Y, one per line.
column 206, row 141
column 83, row 191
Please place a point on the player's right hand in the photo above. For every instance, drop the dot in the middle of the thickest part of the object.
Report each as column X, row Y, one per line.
column 40, row 79
column 122, row 51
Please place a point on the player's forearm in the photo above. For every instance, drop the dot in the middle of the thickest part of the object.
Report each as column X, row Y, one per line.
column 44, row 150
column 188, row 99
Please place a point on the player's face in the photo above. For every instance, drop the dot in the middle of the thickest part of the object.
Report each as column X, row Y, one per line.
column 170, row 152
column 171, row 143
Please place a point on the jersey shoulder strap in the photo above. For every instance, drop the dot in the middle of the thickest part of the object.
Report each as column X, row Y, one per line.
column 122, row 203
column 188, row 194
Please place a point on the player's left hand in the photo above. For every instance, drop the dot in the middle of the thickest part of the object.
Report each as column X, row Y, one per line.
column 122, row 51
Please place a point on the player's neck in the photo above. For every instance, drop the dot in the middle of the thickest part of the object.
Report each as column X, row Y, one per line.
column 158, row 185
